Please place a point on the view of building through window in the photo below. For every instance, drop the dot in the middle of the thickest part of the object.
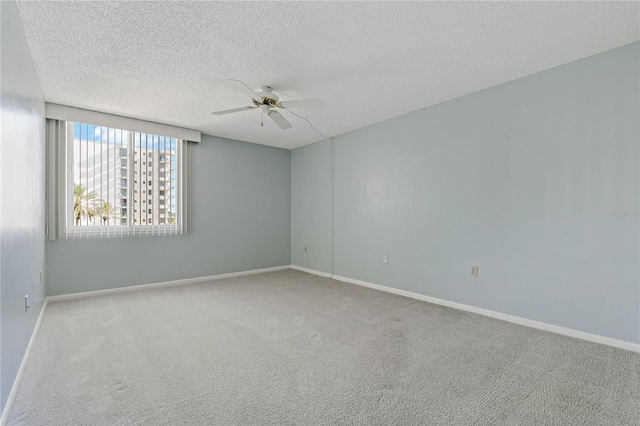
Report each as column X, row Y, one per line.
column 122, row 177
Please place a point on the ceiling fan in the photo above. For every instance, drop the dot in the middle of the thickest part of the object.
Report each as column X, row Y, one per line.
column 266, row 101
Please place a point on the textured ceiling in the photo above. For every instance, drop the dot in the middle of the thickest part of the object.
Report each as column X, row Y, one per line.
column 168, row 62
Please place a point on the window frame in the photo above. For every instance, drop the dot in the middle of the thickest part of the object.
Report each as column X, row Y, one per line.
column 60, row 192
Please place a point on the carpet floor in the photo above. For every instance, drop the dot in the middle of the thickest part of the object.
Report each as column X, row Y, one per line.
column 287, row 348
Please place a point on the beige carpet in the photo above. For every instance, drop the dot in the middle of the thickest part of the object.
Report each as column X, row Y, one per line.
column 287, row 348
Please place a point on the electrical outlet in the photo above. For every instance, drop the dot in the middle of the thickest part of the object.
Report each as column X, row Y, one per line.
column 385, row 259
column 474, row 271
column 26, row 303
column 40, row 277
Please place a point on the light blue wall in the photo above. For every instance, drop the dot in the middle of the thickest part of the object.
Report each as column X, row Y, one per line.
column 516, row 179
column 311, row 204
column 22, row 149
column 240, row 220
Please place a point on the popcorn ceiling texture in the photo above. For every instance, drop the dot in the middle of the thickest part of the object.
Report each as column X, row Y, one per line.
column 167, row 62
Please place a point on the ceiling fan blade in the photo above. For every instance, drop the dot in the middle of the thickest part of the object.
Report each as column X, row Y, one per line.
column 241, row 87
column 230, row 111
column 307, row 103
column 279, row 120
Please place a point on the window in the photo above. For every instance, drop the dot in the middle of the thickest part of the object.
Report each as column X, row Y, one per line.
column 100, row 175
column 95, row 181
column 98, row 198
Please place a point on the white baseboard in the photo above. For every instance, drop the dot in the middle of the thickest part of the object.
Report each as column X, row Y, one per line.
column 634, row 347
column 51, row 299
column 14, row 389
column 311, row 271
column 164, row 284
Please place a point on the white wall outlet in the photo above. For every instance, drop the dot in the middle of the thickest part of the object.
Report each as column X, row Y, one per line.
column 26, row 303
column 385, row 259
column 40, row 277
column 474, row 271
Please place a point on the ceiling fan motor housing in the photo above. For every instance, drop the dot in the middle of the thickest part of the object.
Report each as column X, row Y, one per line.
column 269, row 100
column 267, row 92
column 267, row 97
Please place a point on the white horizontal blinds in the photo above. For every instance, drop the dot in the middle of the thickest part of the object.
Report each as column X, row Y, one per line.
column 122, row 183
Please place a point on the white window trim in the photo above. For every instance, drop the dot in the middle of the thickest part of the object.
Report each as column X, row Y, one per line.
column 66, row 113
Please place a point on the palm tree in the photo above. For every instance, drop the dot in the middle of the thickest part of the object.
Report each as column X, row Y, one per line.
column 105, row 210
column 83, row 203
column 171, row 218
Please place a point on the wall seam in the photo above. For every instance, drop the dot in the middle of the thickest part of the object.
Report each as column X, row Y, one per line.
column 331, row 202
